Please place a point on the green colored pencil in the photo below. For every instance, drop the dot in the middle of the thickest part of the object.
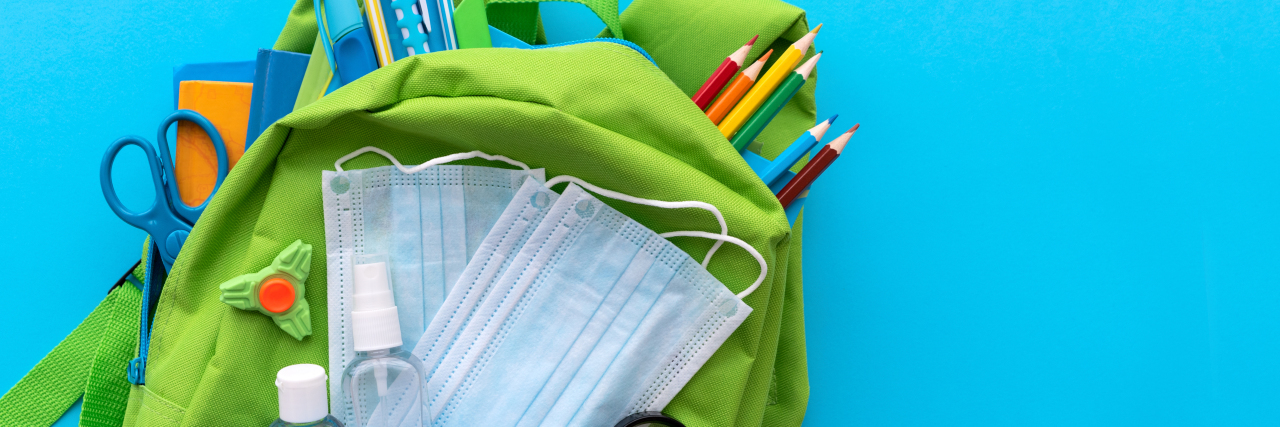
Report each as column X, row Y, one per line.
column 774, row 104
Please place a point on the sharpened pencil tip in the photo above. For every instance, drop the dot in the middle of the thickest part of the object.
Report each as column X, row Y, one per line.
column 753, row 40
column 854, row 128
column 842, row 140
column 839, row 143
column 765, row 57
column 832, row 119
column 815, row 29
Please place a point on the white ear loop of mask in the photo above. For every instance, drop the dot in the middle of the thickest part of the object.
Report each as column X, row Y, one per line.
column 719, row 238
column 724, row 227
column 433, row 162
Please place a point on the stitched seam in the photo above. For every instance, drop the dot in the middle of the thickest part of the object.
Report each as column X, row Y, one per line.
column 524, row 237
column 445, row 175
column 678, row 364
column 488, row 321
column 357, row 245
column 146, row 403
column 528, row 295
column 472, row 285
column 157, row 413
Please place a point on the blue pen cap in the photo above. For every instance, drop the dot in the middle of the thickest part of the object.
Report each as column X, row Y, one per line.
column 355, row 56
column 342, row 16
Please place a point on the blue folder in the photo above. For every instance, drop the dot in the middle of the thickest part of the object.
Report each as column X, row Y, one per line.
column 276, row 80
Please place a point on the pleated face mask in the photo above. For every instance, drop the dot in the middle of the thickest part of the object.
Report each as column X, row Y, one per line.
column 594, row 317
column 495, row 254
column 504, row 241
column 428, row 219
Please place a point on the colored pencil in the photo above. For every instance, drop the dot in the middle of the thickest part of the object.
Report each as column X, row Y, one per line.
column 721, row 76
column 795, row 151
column 814, row 168
column 770, row 108
column 739, row 87
column 765, row 86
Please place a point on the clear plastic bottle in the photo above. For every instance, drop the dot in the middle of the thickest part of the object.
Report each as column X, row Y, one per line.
column 304, row 398
column 383, row 383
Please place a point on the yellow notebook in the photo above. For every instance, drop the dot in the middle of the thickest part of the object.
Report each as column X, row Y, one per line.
column 226, row 105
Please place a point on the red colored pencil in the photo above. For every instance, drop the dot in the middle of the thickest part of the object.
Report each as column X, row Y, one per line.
column 721, row 76
column 814, row 168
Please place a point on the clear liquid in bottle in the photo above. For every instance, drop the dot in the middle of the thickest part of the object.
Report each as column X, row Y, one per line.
column 383, row 384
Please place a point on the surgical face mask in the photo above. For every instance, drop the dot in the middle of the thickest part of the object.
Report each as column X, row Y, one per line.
column 505, row 239
column 429, row 219
column 596, row 317
column 495, row 254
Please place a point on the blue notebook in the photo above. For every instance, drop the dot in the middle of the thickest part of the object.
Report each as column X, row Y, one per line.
column 237, row 72
column 276, row 79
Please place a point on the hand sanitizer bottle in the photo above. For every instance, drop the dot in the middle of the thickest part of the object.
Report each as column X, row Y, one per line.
column 304, row 398
column 383, row 383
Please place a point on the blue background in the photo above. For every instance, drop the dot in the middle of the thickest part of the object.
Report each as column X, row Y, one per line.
column 1056, row 213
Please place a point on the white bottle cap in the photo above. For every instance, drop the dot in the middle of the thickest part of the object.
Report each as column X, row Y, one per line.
column 374, row 321
column 303, row 395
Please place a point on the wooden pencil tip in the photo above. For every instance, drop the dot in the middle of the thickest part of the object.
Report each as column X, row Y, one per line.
column 839, row 143
column 753, row 40
column 765, row 57
column 854, row 128
column 815, row 29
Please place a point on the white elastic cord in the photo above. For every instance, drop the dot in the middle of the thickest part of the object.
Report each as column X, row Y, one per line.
column 433, row 162
column 764, row 267
column 724, row 227
column 719, row 238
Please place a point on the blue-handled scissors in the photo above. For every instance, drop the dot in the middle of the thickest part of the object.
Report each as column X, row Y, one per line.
column 168, row 220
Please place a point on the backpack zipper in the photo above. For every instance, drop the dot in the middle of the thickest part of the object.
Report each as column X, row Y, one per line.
column 622, row 42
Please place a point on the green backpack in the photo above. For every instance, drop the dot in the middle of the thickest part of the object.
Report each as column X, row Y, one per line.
column 614, row 113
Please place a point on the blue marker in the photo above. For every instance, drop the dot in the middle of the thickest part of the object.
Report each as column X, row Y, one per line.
column 795, row 151
column 346, row 40
column 441, row 36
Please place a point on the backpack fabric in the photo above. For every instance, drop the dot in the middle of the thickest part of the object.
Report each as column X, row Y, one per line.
column 600, row 111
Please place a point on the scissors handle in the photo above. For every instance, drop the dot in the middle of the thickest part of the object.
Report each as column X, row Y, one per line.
column 190, row 213
column 167, row 230
column 137, row 219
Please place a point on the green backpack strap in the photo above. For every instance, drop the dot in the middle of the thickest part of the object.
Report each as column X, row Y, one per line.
column 106, row 391
column 101, row 344
column 90, row 361
column 522, row 22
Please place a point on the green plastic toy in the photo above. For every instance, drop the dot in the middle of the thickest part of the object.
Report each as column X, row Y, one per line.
column 277, row 291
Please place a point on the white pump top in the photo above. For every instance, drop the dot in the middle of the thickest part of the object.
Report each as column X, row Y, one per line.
column 303, row 395
column 374, row 321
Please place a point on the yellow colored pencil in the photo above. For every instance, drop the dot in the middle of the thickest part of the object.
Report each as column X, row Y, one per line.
column 765, row 86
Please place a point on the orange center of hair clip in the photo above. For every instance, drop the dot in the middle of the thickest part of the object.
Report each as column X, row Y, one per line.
column 276, row 295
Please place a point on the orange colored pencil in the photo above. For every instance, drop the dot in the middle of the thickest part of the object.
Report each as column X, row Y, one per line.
column 736, row 90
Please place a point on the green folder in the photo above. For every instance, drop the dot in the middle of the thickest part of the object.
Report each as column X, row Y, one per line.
column 471, row 24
